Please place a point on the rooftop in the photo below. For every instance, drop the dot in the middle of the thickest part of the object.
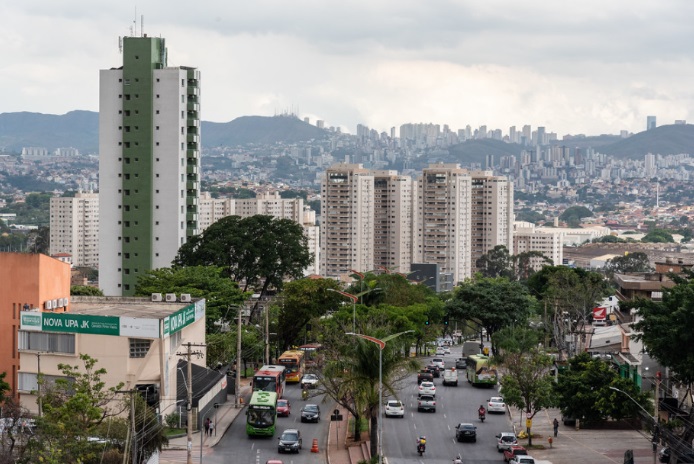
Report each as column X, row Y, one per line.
column 136, row 307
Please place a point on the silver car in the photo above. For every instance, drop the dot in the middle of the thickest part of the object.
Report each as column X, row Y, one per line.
column 505, row 440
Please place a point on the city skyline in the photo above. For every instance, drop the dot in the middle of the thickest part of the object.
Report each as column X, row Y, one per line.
column 579, row 68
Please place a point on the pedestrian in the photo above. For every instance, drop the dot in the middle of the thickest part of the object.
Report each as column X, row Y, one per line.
column 207, row 426
column 211, row 428
column 556, row 427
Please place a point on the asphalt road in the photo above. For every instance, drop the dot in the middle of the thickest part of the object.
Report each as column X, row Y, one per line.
column 237, row 447
column 453, row 406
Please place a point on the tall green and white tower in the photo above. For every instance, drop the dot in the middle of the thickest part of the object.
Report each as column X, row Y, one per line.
column 149, row 163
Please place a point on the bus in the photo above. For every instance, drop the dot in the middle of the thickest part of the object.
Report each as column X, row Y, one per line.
column 293, row 361
column 261, row 414
column 313, row 355
column 479, row 371
column 270, row 378
column 471, row 347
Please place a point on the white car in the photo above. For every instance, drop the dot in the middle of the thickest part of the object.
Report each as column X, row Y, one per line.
column 427, row 388
column 446, row 350
column 440, row 351
column 505, row 440
column 309, row 380
column 496, row 404
column 522, row 460
column 395, row 408
column 439, row 362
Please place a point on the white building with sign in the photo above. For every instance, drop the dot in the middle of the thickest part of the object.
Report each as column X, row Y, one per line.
column 137, row 341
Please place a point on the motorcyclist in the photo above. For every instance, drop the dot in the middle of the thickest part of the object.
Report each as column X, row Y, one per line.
column 422, row 442
column 304, row 391
column 481, row 411
column 458, row 460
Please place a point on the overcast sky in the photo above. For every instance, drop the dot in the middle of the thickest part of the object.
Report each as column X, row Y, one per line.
column 588, row 66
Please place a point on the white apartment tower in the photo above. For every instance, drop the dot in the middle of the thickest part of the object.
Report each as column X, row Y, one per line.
column 491, row 213
column 347, row 220
column 74, row 225
column 149, row 168
column 442, row 227
column 550, row 242
column 392, row 221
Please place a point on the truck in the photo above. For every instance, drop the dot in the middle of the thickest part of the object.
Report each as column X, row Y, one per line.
column 426, row 403
column 450, row 377
column 471, row 347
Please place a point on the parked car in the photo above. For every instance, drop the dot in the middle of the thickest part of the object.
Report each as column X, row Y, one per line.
column 283, row 407
column 309, row 381
column 425, row 376
column 395, row 408
column 289, row 441
column 427, row 388
column 496, row 404
column 434, row 369
column 461, row 363
column 513, row 451
column 465, row 432
column 505, row 440
column 310, row 413
column 426, row 403
column 522, row 460
column 439, row 362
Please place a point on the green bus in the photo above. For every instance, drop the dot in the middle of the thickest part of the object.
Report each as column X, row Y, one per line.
column 261, row 414
column 479, row 371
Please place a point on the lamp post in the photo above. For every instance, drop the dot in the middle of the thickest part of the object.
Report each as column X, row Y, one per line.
column 653, row 418
column 381, row 344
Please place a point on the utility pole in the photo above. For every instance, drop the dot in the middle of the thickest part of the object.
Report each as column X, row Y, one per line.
column 267, row 334
column 237, row 380
column 189, row 354
column 133, row 429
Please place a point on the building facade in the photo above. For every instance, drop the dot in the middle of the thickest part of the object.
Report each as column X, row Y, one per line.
column 149, row 168
column 548, row 241
column 392, row 205
column 491, row 213
column 74, row 228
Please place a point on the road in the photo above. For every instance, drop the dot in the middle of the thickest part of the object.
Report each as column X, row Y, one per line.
column 453, row 405
column 236, row 446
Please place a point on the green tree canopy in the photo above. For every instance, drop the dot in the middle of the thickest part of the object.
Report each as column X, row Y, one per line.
column 85, row 290
column 658, row 236
column 496, row 263
column 4, row 387
column 573, row 215
column 631, row 262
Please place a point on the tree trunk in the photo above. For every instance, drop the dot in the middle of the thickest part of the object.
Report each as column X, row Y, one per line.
column 374, row 435
column 357, row 428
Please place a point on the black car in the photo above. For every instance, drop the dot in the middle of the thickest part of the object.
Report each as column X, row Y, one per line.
column 425, row 376
column 434, row 370
column 290, row 441
column 465, row 432
column 310, row 413
column 461, row 363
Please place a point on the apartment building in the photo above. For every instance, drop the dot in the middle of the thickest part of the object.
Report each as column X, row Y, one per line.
column 442, row 226
column 347, row 220
column 491, row 213
column 149, row 168
column 74, row 228
column 392, row 205
column 550, row 242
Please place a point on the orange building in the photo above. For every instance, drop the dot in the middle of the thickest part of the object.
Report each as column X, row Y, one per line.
column 27, row 281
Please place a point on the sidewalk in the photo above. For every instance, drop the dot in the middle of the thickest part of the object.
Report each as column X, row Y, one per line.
column 597, row 446
column 225, row 416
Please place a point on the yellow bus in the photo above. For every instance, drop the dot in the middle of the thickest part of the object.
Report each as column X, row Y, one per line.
column 293, row 362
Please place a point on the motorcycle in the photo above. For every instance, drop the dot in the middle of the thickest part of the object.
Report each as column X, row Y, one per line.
column 421, row 448
column 458, row 460
column 482, row 416
column 304, row 394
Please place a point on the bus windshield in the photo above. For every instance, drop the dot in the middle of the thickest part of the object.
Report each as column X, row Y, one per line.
column 261, row 416
column 268, row 384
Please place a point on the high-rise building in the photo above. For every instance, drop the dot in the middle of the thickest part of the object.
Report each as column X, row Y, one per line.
column 548, row 241
column 442, row 225
column 491, row 213
column 650, row 165
column 347, row 220
column 392, row 204
column 650, row 122
column 74, row 225
column 149, row 168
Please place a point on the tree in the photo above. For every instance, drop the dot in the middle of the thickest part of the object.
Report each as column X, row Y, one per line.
column 257, row 250
column 16, row 432
column 4, row 387
column 38, row 240
column 85, row 290
column 573, row 215
column 524, row 264
column 658, row 236
column 494, row 303
column 495, row 263
column 74, row 406
column 631, row 262
column 584, row 392
column 527, row 381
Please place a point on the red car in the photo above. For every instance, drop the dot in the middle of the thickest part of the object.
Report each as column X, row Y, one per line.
column 283, row 407
column 513, row 451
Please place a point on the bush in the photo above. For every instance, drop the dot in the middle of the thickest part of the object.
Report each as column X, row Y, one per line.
column 172, row 420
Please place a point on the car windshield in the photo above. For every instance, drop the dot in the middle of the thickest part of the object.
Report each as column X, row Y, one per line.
column 508, row 438
column 311, row 408
column 394, row 404
column 310, row 377
column 289, row 436
column 281, row 403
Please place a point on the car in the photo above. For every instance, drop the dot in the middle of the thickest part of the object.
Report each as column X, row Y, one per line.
column 522, row 460
column 309, row 381
column 513, row 451
column 505, row 440
column 395, row 408
column 450, row 377
column 274, row 461
column 685, row 456
column 446, row 350
column 434, row 369
column 461, row 363
column 426, row 403
column 284, row 408
column 465, row 432
column 440, row 351
column 568, row 421
column 289, row 441
column 425, row 376
column 439, row 362
column 496, row 404
column 310, row 413
column 427, row 388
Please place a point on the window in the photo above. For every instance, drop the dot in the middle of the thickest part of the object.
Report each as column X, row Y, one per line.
column 175, row 340
column 139, row 347
column 28, row 381
column 44, row 341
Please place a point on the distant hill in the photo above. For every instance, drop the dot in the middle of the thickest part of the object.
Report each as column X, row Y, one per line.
column 665, row 140
column 80, row 129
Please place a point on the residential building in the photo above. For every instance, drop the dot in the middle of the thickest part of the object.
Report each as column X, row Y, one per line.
column 392, row 206
column 491, row 213
column 347, row 220
column 149, row 168
column 27, row 281
column 74, row 228
column 550, row 242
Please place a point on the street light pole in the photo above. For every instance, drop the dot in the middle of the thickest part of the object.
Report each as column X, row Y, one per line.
column 654, row 418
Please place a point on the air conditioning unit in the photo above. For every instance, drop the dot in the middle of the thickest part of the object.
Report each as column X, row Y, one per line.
column 156, row 297
column 61, row 302
column 185, row 298
column 48, row 304
column 55, row 303
column 66, row 300
column 170, row 297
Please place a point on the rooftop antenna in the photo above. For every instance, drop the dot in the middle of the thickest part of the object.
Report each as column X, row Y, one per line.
column 135, row 22
column 120, row 44
column 142, row 25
